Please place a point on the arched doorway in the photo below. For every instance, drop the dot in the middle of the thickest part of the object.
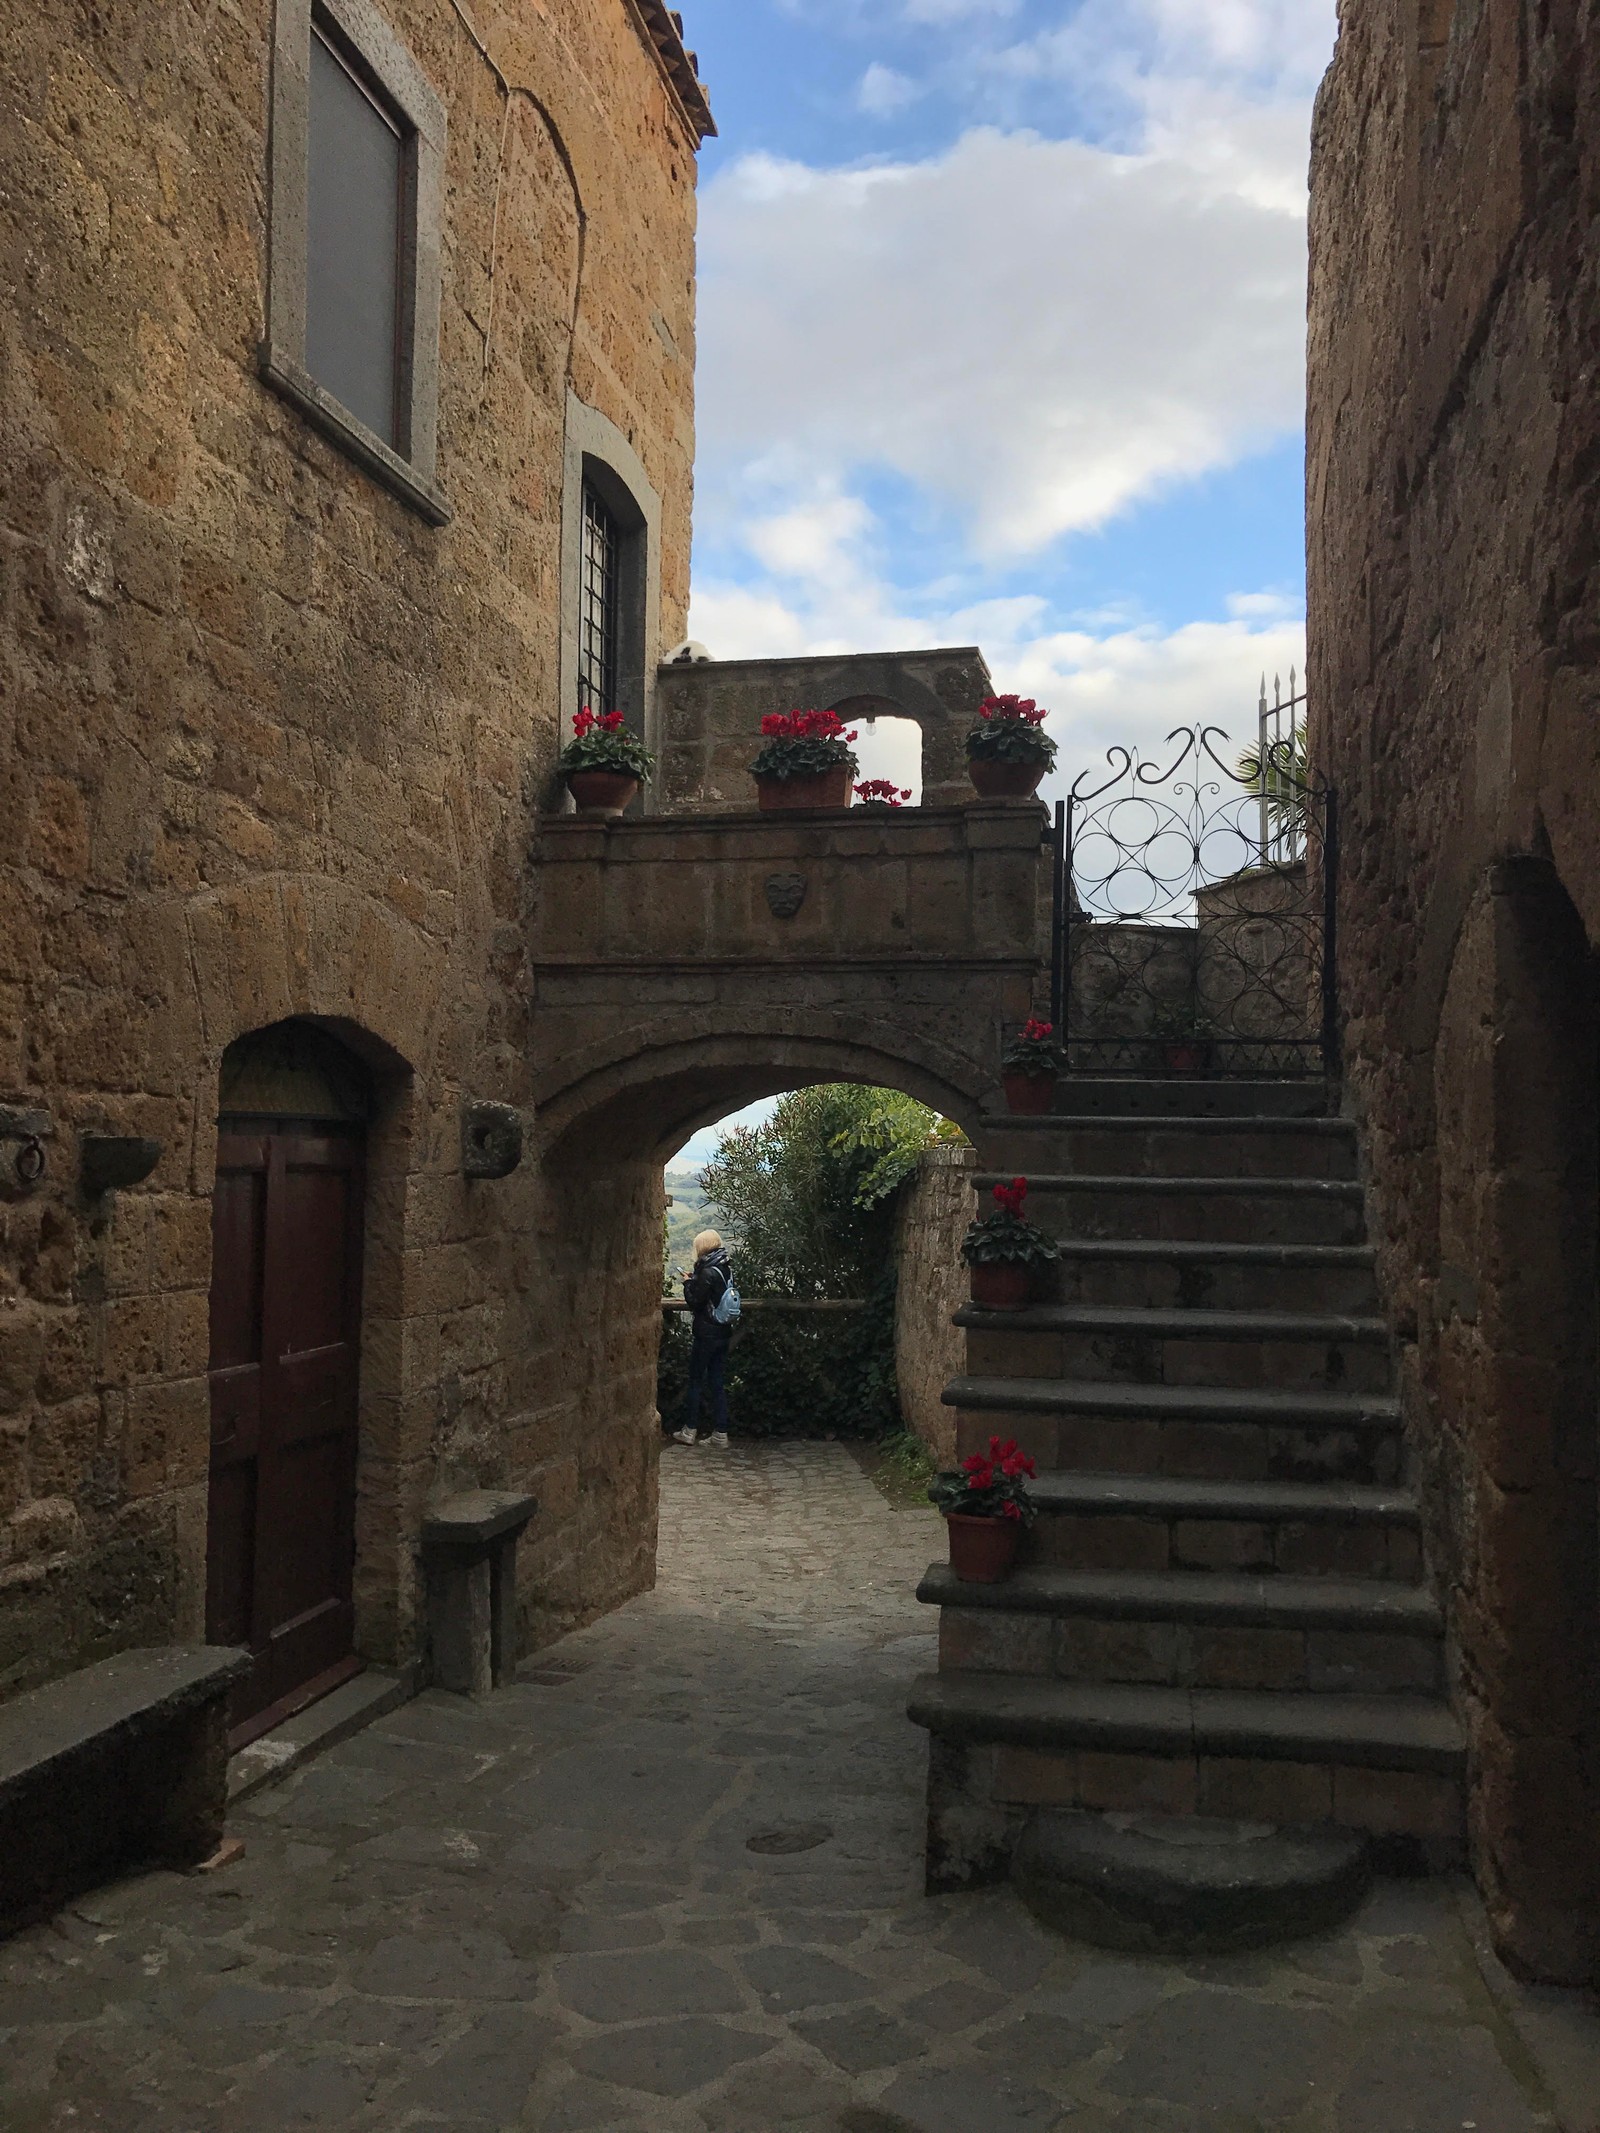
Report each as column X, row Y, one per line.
column 287, row 1221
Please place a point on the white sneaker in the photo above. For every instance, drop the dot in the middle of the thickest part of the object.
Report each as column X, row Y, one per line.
column 685, row 1436
column 719, row 1440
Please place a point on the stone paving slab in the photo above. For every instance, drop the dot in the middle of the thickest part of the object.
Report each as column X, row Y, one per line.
column 545, row 1912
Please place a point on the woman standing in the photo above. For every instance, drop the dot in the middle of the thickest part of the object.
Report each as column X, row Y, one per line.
column 704, row 1292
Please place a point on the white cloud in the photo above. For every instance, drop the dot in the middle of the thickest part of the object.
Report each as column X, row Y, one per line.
column 881, row 92
column 1040, row 333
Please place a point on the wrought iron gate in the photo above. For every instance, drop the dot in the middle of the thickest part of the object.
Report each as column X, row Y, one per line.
column 1195, row 907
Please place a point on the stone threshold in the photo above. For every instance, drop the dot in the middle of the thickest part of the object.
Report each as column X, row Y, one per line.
column 321, row 1725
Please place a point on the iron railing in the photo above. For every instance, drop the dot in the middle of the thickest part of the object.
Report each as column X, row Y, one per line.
column 1195, row 907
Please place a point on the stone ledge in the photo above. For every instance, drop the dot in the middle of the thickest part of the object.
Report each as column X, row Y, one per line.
column 1150, row 1322
column 115, row 1698
column 1175, row 1403
column 311, row 1732
column 476, row 1519
column 1406, row 1733
column 1163, row 1496
column 1196, row 1596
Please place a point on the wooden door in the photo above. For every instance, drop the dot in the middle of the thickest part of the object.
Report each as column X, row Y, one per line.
column 285, row 1336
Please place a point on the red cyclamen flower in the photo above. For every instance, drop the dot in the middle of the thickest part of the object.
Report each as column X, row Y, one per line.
column 1036, row 1030
column 1012, row 1197
column 1020, row 708
column 583, row 724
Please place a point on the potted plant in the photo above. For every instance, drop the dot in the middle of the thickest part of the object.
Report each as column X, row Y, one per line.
column 807, row 761
column 1028, row 1069
column 1006, row 1251
column 1008, row 751
column 986, row 1506
column 1183, row 1038
column 881, row 793
column 603, row 763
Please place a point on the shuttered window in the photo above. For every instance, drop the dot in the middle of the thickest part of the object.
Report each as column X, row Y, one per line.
column 355, row 235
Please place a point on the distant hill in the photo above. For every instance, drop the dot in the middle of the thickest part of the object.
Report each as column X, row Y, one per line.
column 689, row 1213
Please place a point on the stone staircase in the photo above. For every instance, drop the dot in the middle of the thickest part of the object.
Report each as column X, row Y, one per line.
column 1220, row 1610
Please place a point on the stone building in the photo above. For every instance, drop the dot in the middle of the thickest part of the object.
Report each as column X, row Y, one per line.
column 346, row 427
column 1454, row 585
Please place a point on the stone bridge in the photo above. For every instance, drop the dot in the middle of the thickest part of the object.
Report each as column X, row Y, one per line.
column 683, row 967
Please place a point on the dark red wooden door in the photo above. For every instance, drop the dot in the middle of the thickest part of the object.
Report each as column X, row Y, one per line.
column 285, row 1332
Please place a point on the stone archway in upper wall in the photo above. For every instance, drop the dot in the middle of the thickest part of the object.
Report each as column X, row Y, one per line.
column 710, row 713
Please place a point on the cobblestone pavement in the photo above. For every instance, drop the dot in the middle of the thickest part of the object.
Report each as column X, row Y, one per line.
column 585, row 1904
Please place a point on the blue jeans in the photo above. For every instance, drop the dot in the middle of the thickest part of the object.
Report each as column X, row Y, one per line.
column 707, row 1359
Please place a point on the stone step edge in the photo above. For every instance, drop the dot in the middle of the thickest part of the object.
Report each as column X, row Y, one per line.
column 1202, row 1250
column 1225, row 1599
column 1218, row 1122
column 1272, row 1725
column 1142, row 1096
column 1057, row 1181
column 1062, row 1493
column 1157, row 1323
column 1208, row 1403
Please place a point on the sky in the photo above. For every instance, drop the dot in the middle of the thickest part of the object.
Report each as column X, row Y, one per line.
column 1002, row 311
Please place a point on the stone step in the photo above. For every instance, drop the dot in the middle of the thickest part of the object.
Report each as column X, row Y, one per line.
column 1290, row 1350
column 1194, row 1209
column 1176, row 1146
column 1177, row 1886
column 1192, row 1629
column 1154, row 1522
column 1202, row 1432
column 1188, row 1096
column 1155, row 1274
column 1006, row 1744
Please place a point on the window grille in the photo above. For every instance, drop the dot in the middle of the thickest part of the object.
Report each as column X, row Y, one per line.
column 598, row 606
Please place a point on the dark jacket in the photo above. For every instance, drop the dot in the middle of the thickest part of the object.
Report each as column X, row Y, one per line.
column 704, row 1290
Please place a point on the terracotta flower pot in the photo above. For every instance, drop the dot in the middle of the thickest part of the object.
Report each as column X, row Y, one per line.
column 601, row 792
column 824, row 788
column 1002, row 1285
column 1028, row 1095
column 1004, row 781
column 1187, row 1055
column 982, row 1550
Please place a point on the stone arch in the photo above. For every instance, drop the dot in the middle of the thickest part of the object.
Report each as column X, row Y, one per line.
column 644, row 1093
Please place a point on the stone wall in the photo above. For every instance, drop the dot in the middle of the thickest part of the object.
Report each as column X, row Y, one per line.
column 1455, row 703
column 275, row 746
column 711, row 713
column 929, row 1349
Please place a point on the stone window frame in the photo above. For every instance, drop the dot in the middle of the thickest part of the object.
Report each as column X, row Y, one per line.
column 599, row 457
column 410, row 475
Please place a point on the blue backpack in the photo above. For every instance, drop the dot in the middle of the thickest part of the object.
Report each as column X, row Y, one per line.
column 727, row 1307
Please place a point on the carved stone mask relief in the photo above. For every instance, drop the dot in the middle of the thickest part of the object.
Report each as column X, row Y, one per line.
column 785, row 894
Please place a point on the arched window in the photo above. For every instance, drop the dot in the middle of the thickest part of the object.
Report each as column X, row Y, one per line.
column 888, row 744
column 611, row 571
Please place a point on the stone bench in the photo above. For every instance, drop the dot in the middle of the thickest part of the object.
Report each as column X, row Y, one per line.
column 469, row 1557
column 122, row 1764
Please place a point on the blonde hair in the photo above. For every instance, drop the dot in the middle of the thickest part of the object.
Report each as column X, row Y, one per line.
column 707, row 1241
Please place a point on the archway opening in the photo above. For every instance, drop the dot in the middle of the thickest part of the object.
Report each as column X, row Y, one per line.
column 888, row 745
